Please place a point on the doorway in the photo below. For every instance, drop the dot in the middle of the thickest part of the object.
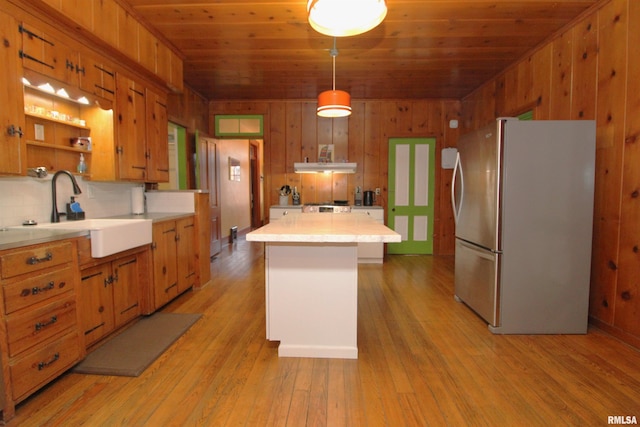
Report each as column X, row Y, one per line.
column 256, row 187
column 411, row 194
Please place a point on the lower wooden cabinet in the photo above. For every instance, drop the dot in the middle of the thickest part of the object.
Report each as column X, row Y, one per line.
column 174, row 259
column 110, row 295
column 40, row 337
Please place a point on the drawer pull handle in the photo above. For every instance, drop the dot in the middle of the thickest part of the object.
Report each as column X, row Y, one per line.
column 43, row 365
column 36, row 290
column 35, row 260
column 41, row 325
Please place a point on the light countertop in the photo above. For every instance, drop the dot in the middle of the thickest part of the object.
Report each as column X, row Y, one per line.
column 11, row 238
column 19, row 236
column 324, row 228
column 154, row 216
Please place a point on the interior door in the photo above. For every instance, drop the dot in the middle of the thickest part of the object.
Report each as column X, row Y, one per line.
column 209, row 178
column 254, row 169
column 411, row 194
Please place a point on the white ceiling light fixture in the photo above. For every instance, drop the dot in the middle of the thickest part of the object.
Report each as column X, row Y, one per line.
column 334, row 103
column 343, row 18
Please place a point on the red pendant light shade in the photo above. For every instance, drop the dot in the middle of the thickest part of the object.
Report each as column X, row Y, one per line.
column 334, row 103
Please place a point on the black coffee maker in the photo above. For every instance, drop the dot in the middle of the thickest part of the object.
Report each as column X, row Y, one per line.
column 368, row 198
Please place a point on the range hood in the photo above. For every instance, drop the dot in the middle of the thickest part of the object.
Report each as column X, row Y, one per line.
column 324, row 167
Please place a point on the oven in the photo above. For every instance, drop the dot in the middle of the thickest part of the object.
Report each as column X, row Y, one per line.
column 325, row 208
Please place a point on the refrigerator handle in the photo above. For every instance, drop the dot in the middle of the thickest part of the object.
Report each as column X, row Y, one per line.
column 456, row 208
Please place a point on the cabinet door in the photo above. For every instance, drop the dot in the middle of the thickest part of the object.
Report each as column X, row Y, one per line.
column 126, row 295
column 96, row 308
column 43, row 53
column 130, row 130
column 157, row 138
column 165, row 275
column 12, row 144
column 96, row 77
column 186, row 255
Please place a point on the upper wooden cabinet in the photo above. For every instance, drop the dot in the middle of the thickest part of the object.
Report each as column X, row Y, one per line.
column 97, row 76
column 42, row 53
column 115, row 25
column 12, row 119
column 157, row 137
column 142, row 148
column 130, row 129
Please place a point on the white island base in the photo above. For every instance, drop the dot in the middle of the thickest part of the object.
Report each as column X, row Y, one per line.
column 312, row 299
column 311, row 277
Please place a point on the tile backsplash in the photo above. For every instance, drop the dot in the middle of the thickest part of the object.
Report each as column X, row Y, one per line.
column 23, row 198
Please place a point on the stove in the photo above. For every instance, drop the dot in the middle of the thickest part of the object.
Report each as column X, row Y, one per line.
column 325, row 208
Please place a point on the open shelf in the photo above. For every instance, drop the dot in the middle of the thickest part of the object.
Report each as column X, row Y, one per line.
column 54, row 120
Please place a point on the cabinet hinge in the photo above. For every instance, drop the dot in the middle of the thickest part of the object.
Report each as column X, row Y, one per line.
column 24, row 55
column 119, row 149
column 33, row 35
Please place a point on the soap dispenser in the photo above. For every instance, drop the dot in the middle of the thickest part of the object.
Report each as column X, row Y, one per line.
column 82, row 166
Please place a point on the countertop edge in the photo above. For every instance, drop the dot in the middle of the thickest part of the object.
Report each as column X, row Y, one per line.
column 22, row 236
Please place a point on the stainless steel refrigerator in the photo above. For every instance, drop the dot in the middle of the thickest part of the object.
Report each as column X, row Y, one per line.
column 522, row 195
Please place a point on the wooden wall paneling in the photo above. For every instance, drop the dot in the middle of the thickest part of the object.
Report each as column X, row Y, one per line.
column 177, row 107
column 340, row 137
column 293, row 141
column 163, row 64
column 105, row 15
column 561, row 77
column 608, row 178
column 524, row 84
column 324, row 136
column 483, row 105
column 404, row 118
column 542, row 65
column 627, row 305
column 421, row 117
column 585, row 68
column 308, row 150
column 357, row 146
column 374, row 138
column 78, row 10
column 276, row 147
column 127, row 30
column 507, row 97
column 177, row 72
column 147, row 49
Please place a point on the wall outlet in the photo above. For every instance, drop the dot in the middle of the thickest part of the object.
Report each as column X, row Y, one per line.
column 377, row 191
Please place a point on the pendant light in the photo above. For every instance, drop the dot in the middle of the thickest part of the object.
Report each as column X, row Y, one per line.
column 334, row 103
column 341, row 18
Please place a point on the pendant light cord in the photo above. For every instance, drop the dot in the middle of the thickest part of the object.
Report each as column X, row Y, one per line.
column 334, row 53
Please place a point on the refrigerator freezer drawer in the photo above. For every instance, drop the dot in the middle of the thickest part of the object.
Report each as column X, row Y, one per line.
column 476, row 279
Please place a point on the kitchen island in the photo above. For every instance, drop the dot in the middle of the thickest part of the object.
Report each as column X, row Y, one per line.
column 311, row 281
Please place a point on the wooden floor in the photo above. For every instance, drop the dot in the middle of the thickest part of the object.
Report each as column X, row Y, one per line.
column 424, row 360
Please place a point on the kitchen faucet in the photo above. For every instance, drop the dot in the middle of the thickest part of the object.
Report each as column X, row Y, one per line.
column 55, row 215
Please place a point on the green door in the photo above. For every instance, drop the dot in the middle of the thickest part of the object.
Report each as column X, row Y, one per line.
column 411, row 194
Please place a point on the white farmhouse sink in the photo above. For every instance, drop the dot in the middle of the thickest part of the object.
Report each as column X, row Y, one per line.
column 110, row 236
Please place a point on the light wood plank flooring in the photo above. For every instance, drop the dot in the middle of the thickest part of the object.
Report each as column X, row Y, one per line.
column 425, row 360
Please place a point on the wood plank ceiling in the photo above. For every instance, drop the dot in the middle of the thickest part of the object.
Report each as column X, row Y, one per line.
column 265, row 49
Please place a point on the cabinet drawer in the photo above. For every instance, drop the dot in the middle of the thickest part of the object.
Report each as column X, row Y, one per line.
column 21, row 294
column 35, row 258
column 26, row 330
column 41, row 366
